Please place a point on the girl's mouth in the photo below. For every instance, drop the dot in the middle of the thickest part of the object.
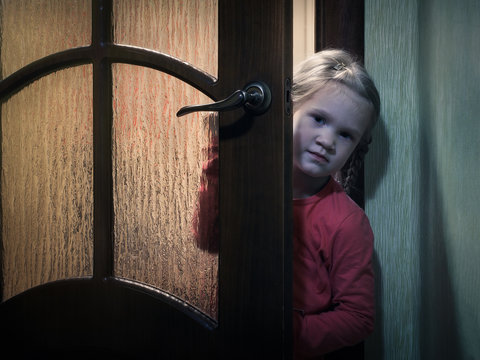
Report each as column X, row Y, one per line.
column 318, row 157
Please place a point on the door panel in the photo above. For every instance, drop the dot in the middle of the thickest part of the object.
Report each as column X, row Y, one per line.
column 47, row 201
column 54, row 25
column 186, row 30
column 158, row 175
column 116, row 313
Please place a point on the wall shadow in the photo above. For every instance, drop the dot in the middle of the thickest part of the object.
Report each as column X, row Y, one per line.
column 378, row 164
column 439, row 336
column 375, row 344
column 381, row 147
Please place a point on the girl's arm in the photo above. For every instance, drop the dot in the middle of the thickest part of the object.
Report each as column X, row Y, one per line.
column 351, row 318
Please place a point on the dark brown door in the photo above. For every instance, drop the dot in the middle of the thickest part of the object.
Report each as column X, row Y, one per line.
column 102, row 312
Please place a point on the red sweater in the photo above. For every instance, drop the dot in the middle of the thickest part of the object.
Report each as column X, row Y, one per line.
column 333, row 281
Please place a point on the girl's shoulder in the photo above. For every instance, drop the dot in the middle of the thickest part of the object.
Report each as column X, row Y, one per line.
column 331, row 206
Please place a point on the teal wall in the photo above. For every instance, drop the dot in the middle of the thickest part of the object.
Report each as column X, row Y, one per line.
column 422, row 177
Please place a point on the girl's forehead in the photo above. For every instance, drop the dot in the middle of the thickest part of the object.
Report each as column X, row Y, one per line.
column 342, row 103
column 334, row 95
column 337, row 94
column 337, row 89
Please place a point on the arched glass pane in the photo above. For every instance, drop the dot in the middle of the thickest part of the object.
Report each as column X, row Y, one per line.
column 34, row 29
column 46, row 181
column 187, row 30
column 165, row 186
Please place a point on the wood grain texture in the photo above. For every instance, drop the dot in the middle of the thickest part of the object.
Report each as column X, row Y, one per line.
column 34, row 29
column 47, row 194
column 340, row 25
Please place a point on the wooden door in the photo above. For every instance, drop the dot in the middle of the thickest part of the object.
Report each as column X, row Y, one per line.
column 99, row 312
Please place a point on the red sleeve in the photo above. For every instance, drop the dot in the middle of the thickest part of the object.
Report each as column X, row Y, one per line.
column 351, row 317
column 205, row 219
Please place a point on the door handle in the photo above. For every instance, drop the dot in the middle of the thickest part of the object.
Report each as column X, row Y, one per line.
column 255, row 99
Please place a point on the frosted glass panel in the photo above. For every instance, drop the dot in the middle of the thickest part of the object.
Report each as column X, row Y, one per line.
column 46, row 179
column 187, row 30
column 34, row 29
column 165, row 177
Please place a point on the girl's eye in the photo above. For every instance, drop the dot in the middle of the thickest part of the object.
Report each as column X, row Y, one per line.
column 346, row 135
column 320, row 120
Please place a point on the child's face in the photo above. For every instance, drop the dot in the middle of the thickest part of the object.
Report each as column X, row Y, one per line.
column 326, row 129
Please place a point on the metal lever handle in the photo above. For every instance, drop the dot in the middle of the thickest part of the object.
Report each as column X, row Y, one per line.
column 255, row 98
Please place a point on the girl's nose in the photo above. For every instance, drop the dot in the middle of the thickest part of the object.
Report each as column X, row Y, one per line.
column 326, row 139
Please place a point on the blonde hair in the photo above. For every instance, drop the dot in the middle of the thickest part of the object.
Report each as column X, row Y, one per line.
column 335, row 65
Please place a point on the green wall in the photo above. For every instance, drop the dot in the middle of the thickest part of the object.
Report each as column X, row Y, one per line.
column 422, row 177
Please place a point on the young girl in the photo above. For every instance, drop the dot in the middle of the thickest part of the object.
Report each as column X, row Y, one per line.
column 336, row 105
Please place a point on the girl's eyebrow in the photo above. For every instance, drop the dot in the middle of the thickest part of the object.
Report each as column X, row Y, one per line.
column 320, row 112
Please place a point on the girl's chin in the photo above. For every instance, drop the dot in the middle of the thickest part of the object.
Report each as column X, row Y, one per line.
column 314, row 173
column 316, row 177
column 310, row 171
